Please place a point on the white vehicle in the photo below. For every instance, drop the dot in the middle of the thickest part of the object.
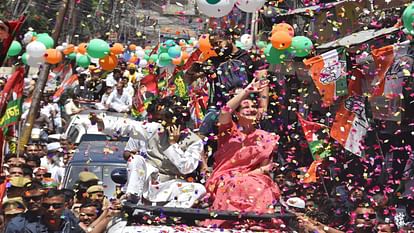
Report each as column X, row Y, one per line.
column 80, row 124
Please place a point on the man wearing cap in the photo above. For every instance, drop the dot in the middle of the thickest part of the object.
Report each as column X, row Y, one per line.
column 96, row 194
column 12, row 208
column 86, row 180
column 17, row 186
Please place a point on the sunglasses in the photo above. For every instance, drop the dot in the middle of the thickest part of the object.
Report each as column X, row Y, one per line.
column 34, row 198
column 55, row 205
column 366, row 216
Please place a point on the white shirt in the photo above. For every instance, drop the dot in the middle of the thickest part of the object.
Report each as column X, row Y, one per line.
column 115, row 98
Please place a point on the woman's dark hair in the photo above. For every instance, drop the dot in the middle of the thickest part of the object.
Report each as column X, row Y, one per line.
column 171, row 107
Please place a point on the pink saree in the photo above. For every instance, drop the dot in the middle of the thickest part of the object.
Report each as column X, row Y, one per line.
column 232, row 185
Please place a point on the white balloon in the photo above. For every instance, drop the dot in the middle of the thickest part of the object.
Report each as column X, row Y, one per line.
column 140, row 54
column 138, row 48
column 143, row 63
column 36, row 49
column 35, row 61
column 27, row 37
column 60, row 48
column 220, row 9
column 246, row 41
column 250, row 5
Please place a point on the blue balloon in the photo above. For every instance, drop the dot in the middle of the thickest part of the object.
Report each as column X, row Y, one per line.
column 170, row 43
column 174, row 52
column 126, row 56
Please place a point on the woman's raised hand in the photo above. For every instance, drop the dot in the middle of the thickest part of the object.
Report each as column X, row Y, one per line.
column 257, row 86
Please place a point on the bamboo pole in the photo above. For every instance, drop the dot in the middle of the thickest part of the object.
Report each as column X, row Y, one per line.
column 41, row 82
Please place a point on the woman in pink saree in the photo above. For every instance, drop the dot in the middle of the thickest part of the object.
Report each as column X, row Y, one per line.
column 240, row 180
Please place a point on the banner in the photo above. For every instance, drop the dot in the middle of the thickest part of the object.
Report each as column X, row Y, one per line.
column 328, row 72
column 350, row 125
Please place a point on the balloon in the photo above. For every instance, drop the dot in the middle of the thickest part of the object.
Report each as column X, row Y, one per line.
column 153, row 58
column 281, row 40
column 45, row 39
column 175, row 51
column 72, row 56
column 28, row 36
column 98, row 48
column 36, row 49
column 163, row 48
column 250, row 5
column 408, row 19
column 109, row 62
column 126, row 56
column 170, row 43
column 35, row 61
column 82, row 48
column 24, row 58
column 284, row 27
column 182, row 43
column 301, row 46
column 60, row 48
column 70, row 48
column 246, row 41
column 274, row 56
column 140, row 54
column 15, row 49
column 133, row 59
column 215, row 8
column 148, row 51
column 177, row 61
column 206, row 55
column 204, row 43
column 53, row 56
column 143, row 63
column 261, row 44
column 164, row 60
column 132, row 47
column 83, row 61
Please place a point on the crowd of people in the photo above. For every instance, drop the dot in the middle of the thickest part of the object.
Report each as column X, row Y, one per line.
column 244, row 155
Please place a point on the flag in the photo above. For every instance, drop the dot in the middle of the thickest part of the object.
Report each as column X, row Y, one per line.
column 328, row 72
column 66, row 84
column 312, row 131
column 392, row 66
column 318, row 148
column 388, row 81
column 14, row 28
column 12, row 96
column 351, row 124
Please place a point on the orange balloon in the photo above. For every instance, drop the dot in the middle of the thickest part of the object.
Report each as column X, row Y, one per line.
column 53, row 56
column 69, row 49
column 206, row 55
column 185, row 55
column 132, row 47
column 117, row 48
column 109, row 62
column 284, row 27
column 281, row 40
column 177, row 61
column 133, row 59
column 204, row 43
column 82, row 48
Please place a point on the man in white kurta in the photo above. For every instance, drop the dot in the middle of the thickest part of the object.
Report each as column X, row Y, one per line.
column 156, row 172
column 119, row 100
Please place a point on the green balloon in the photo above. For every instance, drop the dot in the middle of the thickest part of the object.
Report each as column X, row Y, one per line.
column 148, row 51
column 301, row 46
column 45, row 39
column 153, row 57
column 274, row 56
column 24, row 58
column 15, row 49
column 170, row 43
column 212, row 2
column 72, row 56
column 163, row 48
column 83, row 61
column 98, row 48
column 408, row 18
column 146, row 57
column 164, row 60
column 261, row 44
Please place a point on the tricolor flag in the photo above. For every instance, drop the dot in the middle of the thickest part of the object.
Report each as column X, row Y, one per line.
column 351, row 124
column 67, row 84
column 319, row 149
column 328, row 72
column 389, row 73
column 13, row 28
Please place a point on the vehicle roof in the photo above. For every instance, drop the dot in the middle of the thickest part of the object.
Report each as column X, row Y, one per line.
column 100, row 151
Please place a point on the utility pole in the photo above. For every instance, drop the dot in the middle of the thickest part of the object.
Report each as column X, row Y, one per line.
column 41, row 82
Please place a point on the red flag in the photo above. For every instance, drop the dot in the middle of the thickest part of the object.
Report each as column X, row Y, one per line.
column 14, row 80
column 14, row 28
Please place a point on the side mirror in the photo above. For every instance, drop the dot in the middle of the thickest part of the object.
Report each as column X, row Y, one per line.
column 119, row 176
